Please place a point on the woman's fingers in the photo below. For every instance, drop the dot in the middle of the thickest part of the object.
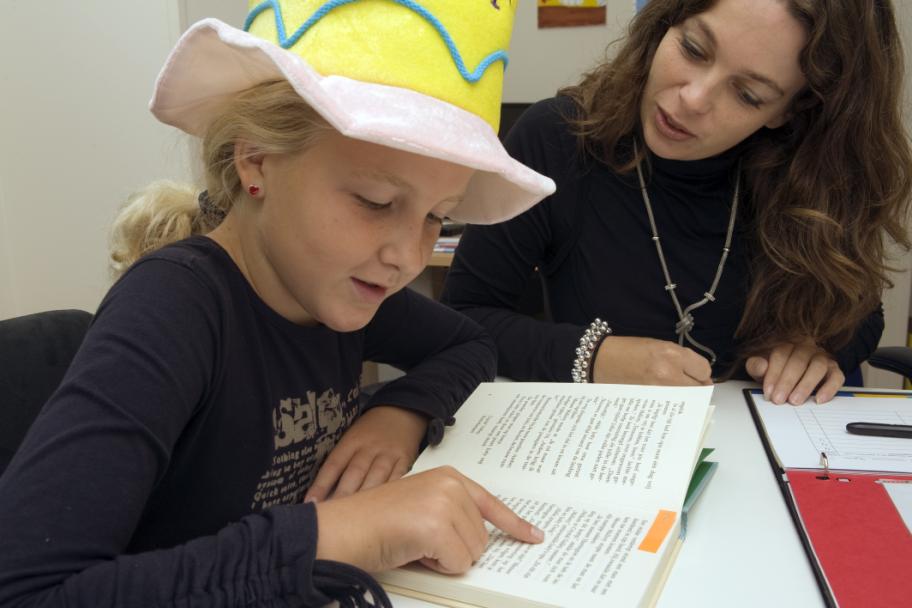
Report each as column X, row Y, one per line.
column 696, row 367
column 831, row 385
column 756, row 368
column 777, row 362
column 637, row 360
column 794, row 371
column 814, row 374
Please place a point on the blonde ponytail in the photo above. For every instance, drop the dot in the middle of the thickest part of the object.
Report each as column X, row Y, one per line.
column 162, row 213
column 270, row 116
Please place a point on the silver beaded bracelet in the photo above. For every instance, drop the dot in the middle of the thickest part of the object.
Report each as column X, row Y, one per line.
column 585, row 352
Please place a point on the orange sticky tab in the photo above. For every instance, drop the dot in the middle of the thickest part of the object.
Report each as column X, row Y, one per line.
column 658, row 531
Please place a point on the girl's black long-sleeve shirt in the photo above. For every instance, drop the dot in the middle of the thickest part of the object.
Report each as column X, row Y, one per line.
column 170, row 466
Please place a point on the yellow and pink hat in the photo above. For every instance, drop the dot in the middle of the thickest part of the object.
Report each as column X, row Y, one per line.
column 424, row 76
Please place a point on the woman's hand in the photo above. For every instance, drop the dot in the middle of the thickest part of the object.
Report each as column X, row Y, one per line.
column 436, row 517
column 791, row 372
column 632, row 360
column 380, row 446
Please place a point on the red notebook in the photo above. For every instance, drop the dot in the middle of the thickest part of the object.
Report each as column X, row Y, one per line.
column 847, row 514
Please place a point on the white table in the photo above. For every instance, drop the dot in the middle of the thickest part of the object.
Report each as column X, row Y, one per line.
column 741, row 548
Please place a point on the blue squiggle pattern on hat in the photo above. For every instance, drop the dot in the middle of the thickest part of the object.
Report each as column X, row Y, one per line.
column 287, row 42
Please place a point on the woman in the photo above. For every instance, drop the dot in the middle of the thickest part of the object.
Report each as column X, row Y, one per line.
column 208, row 446
column 726, row 186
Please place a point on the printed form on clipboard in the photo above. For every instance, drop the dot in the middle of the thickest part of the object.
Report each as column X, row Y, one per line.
column 849, row 495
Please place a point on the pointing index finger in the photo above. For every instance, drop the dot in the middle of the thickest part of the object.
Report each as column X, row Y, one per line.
column 499, row 514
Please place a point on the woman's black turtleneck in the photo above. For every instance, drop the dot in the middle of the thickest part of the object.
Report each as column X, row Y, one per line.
column 591, row 241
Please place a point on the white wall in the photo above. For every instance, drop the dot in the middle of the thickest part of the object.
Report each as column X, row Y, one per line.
column 542, row 61
column 76, row 140
column 231, row 12
column 7, row 297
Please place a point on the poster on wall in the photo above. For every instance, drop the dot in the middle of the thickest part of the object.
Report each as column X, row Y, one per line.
column 570, row 13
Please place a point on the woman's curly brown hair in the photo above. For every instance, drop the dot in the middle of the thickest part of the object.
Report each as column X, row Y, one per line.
column 827, row 190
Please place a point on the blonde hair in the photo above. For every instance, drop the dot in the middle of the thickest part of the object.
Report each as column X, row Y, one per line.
column 271, row 116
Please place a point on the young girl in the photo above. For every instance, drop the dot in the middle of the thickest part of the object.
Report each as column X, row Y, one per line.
column 726, row 186
column 187, row 457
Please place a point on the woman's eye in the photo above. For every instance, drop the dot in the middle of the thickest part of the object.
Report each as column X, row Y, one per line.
column 691, row 50
column 749, row 98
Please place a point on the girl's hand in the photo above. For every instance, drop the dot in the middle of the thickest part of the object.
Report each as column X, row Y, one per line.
column 632, row 360
column 791, row 372
column 380, row 446
column 435, row 517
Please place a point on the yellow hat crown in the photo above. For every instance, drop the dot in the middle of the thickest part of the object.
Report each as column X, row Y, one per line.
column 454, row 50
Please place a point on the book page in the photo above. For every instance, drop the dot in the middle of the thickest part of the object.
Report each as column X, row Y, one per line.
column 625, row 444
column 798, row 434
column 591, row 556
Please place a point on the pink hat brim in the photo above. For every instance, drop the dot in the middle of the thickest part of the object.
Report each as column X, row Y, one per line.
column 213, row 61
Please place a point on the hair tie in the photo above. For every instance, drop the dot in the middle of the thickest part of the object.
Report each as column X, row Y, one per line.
column 210, row 214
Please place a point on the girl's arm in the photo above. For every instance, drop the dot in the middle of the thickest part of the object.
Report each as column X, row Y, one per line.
column 445, row 356
column 74, row 493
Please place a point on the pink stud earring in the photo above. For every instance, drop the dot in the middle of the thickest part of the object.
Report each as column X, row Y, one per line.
column 253, row 189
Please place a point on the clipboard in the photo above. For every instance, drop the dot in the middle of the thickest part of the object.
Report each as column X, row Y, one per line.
column 858, row 543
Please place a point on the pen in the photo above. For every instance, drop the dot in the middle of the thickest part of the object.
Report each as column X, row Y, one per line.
column 880, row 429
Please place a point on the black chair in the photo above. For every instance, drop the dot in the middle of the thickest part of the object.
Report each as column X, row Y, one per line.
column 896, row 359
column 35, row 352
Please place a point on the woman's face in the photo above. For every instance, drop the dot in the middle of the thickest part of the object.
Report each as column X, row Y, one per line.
column 720, row 76
column 340, row 227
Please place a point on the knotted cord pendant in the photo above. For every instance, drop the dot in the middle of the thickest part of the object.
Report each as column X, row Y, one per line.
column 685, row 315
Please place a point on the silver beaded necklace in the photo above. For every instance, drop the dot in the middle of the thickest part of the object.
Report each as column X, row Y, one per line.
column 685, row 317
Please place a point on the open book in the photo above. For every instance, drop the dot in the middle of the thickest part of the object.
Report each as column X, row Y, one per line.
column 602, row 469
